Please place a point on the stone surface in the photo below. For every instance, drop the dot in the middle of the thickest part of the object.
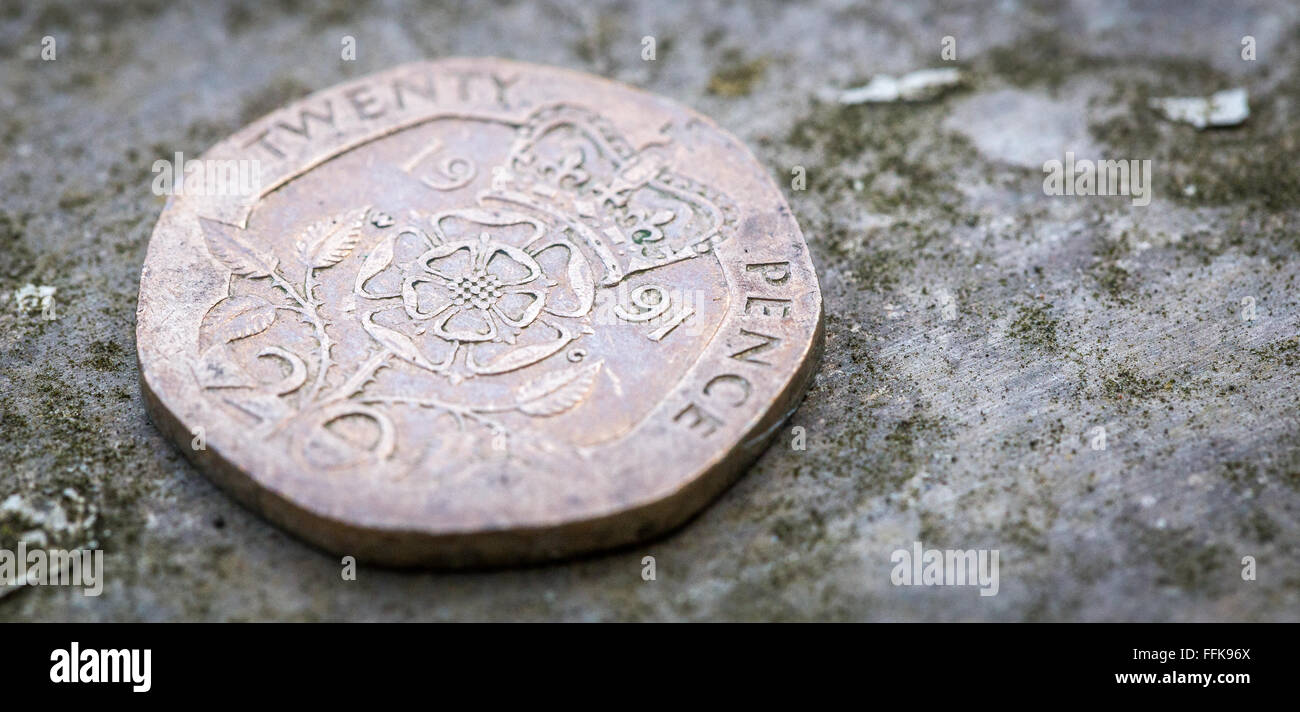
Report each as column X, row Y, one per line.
column 977, row 330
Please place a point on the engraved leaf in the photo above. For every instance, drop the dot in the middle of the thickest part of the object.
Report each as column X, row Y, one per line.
column 216, row 369
column 239, row 257
column 241, row 316
column 377, row 261
column 400, row 344
column 326, row 242
column 662, row 216
column 524, row 356
column 557, row 391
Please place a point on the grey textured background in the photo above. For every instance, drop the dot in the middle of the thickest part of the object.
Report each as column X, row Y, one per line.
column 971, row 432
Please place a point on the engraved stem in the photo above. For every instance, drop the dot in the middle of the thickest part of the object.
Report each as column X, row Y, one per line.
column 475, row 413
column 358, row 379
column 308, row 285
column 309, row 311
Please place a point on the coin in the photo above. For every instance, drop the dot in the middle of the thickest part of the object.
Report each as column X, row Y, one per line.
column 476, row 312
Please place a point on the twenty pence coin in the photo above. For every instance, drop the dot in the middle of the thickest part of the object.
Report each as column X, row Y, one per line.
column 475, row 312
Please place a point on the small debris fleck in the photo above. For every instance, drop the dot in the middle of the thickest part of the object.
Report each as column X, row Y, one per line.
column 31, row 298
column 1229, row 107
column 920, row 85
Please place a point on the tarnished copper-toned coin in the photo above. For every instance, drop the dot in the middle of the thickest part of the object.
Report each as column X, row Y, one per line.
column 477, row 312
